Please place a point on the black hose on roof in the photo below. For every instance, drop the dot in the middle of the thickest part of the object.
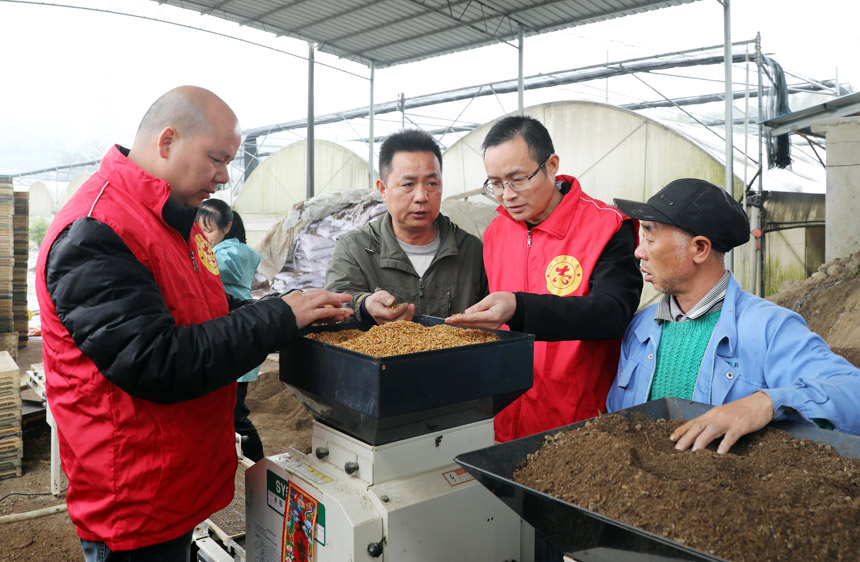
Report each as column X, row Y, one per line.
column 776, row 104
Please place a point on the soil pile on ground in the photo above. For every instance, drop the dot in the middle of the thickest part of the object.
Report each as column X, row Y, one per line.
column 772, row 497
column 829, row 301
column 279, row 418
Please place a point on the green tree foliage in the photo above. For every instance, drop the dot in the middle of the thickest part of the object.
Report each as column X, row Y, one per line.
column 38, row 228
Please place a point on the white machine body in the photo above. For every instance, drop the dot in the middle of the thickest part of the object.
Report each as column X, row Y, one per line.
column 405, row 501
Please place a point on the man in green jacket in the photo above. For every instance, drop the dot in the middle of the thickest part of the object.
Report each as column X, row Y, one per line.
column 412, row 260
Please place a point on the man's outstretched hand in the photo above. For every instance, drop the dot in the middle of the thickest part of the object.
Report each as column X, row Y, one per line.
column 317, row 305
column 730, row 421
column 491, row 312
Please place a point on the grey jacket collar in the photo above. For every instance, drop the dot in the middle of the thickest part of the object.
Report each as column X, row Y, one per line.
column 392, row 255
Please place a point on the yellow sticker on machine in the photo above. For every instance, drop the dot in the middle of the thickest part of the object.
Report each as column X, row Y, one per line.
column 310, row 473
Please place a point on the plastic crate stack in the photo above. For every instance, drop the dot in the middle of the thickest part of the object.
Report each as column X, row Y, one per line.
column 8, row 337
column 11, row 442
column 21, row 251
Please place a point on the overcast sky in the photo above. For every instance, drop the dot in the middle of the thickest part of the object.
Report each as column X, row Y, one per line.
column 77, row 81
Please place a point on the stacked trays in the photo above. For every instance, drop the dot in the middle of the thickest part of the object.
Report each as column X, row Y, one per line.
column 20, row 250
column 7, row 262
column 11, row 443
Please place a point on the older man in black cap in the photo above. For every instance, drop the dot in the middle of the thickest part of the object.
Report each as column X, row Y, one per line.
column 710, row 341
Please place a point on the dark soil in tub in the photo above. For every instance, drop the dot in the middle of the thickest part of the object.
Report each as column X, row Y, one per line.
column 772, row 497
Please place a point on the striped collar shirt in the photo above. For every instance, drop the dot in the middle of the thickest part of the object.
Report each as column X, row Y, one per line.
column 669, row 311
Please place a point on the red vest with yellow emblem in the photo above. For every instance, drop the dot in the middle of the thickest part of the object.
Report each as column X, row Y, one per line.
column 571, row 378
column 140, row 472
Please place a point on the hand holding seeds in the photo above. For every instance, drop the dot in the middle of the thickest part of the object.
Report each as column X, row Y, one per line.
column 383, row 306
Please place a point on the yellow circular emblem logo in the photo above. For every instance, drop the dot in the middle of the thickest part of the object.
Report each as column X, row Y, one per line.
column 204, row 252
column 563, row 275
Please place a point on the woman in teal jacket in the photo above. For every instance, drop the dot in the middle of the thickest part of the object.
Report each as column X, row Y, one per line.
column 237, row 262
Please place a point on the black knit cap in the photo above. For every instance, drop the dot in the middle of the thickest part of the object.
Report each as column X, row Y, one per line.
column 697, row 206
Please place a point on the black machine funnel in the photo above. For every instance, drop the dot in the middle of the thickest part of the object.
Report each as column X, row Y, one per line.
column 384, row 399
column 590, row 537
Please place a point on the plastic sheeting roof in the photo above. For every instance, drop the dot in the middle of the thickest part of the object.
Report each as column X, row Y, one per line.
column 390, row 32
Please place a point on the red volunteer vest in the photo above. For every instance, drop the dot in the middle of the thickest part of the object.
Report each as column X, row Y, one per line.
column 571, row 378
column 140, row 473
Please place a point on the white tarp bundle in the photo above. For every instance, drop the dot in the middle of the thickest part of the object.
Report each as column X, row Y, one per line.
column 295, row 251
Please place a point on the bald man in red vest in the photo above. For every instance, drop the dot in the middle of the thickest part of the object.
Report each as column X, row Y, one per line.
column 141, row 351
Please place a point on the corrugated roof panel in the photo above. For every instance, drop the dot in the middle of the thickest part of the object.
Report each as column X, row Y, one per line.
column 416, row 49
column 391, row 32
column 401, row 41
column 302, row 19
column 399, row 35
column 367, row 20
column 375, row 25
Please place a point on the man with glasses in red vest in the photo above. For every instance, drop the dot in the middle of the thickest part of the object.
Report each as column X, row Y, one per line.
column 560, row 266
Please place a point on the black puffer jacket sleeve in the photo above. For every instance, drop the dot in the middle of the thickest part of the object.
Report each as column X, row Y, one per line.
column 113, row 309
column 602, row 314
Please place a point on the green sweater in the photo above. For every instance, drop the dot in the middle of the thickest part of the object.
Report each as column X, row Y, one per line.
column 679, row 356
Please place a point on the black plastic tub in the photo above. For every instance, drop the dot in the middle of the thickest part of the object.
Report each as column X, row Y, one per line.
column 590, row 537
column 384, row 399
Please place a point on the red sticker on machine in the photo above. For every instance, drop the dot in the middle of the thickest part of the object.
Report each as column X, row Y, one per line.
column 299, row 525
column 458, row 476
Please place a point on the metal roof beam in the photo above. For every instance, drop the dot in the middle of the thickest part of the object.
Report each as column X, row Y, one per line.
column 376, row 29
column 456, row 129
column 475, row 20
column 473, row 24
column 465, row 46
column 57, row 168
column 508, row 86
column 218, row 6
column 811, row 87
column 489, row 37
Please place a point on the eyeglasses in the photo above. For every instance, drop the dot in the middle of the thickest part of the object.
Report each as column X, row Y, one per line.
column 496, row 188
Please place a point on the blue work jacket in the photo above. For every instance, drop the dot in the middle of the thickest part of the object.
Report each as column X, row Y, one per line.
column 756, row 345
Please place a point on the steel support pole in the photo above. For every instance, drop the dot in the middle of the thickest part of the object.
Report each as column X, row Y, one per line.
column 761, row 214
column 522, row 34
column 746, row 262
column 370, row 174
column 310, row 137
column 730, row 118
